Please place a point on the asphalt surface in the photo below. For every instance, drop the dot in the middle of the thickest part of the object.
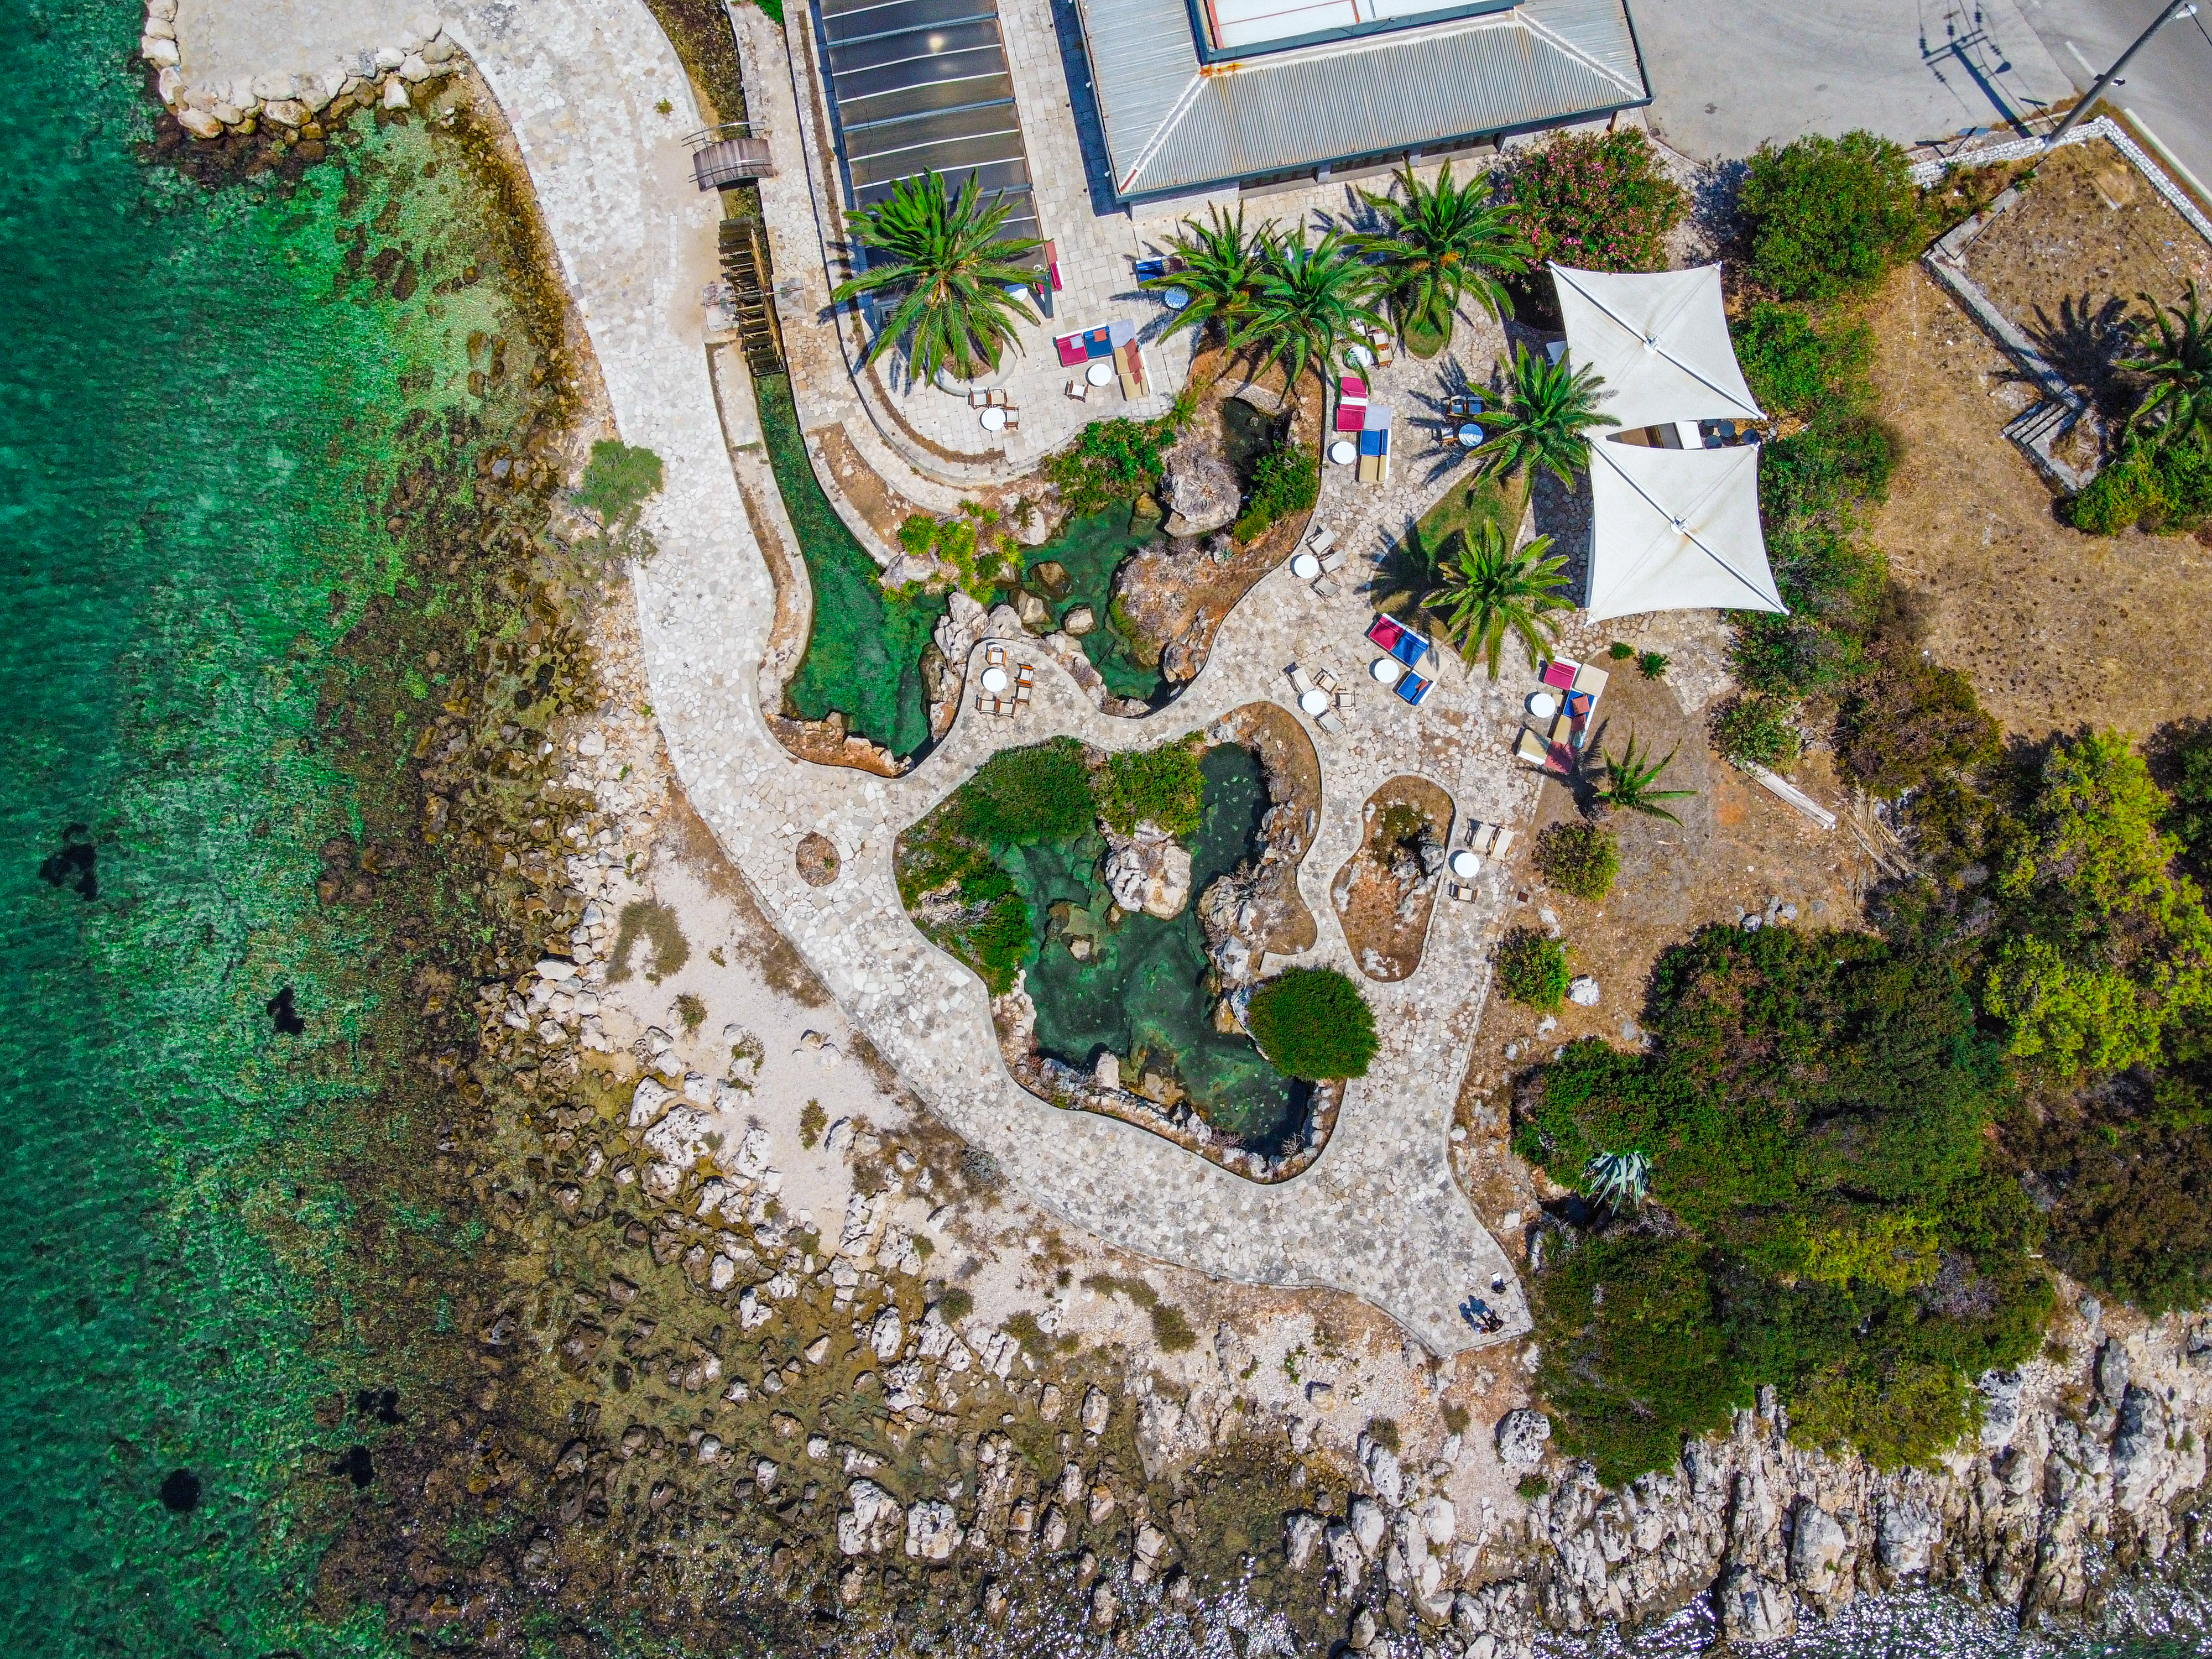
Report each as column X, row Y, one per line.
column 2167, row 90
column 1727, row 78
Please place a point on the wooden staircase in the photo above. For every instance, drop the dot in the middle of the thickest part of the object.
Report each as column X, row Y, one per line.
column 746, row 263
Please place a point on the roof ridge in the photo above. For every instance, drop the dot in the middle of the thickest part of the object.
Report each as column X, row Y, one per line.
column 1167, row 124
column 1572, row 51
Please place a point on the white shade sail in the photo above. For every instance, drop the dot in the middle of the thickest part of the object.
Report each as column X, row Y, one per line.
column 1676, row 530
column 1661, row 342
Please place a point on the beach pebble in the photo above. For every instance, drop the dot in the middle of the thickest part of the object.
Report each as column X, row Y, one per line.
column 395, row 93
column 1583, row 991
column 199, row 123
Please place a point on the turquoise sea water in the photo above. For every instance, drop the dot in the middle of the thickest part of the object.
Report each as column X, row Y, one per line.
column 201, row 401
column 205, row 401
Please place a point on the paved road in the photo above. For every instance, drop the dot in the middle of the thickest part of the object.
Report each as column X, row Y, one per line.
column 2167, row 90
column 1727, row 76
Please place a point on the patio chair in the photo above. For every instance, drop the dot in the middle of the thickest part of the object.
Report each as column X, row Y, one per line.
column 1079, row 388
column 995, row 655
column 1013, row 419
column 1326, row 588
column 1344, row 697
column 1319, row 545
column 1332, row 561
column 1324, row 679
column 1329, row 723
column 986, row 704
column 1505, row 840
column 1481, row 837
column 1300, row 682
column 1459, row 890
column 979, row 400
column 1534, row 749
column 1024, row 675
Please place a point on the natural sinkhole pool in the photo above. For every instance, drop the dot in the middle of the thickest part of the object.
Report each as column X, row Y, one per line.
column 1091, row 549
column 1141, row 993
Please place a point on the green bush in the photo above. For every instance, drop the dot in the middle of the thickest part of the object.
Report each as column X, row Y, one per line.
column 1828, row 215
column 1578, row 856
column 1757, row 731
column 1796, row 365
column 2165, row 490
column 1042, row 793
column 1909, row 723
column 2101, row 946
column 2189, row 753
column 1823, row 1214
column 618, row 481
column 1115, row 460
column 982, row 556
column 1285, row 483
column 1312, row 1022
column 1532, row 969
column 1602, row 202
column 1163, row 786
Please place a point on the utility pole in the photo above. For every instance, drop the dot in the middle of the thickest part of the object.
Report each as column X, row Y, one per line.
column 2167, row 14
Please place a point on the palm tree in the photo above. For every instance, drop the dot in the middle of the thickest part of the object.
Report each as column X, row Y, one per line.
column 1443, row 241
column 1629, row 781
column 2177, row 407
column 1221, row 268
column 1548, row 409
column 1488, row 590
column 954, row 270
column 1309, row 301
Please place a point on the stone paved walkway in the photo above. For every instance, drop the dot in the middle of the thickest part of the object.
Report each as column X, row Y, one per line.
column 1378, row 1214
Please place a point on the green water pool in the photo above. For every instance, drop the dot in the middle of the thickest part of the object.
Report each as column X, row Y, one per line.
column 1091, row 549
column 1142, row 993
column 864, row 648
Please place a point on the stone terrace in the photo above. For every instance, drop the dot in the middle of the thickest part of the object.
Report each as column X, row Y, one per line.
column 1378, row 1215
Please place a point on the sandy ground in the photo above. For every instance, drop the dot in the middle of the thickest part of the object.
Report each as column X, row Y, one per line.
column 2059, row 629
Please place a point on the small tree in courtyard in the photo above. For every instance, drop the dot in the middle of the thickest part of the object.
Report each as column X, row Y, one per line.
column 1312, row 1023
column 1546, row 417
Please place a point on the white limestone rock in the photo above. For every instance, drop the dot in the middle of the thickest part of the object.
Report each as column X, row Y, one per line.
column 869, row 1521
column 1522, row 1437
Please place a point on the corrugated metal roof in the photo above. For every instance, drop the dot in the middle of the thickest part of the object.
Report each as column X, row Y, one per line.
column 1171, row 124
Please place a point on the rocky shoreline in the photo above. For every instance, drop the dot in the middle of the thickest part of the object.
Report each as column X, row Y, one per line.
column 303, row 105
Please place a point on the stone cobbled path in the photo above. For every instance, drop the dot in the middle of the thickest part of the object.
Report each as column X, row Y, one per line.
column 1378, row 1215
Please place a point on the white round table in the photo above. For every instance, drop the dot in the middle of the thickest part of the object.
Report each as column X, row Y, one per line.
column 994, row 419
column 1464, row 864
column 1543, row 705
column 1343, row 452
column 1100, row 372
column 995, row 680
column 1470, row 434
column 1360, row 356
column 1386, row 669
column 1176, row 298
column 1305, row 567
column 1313, row 701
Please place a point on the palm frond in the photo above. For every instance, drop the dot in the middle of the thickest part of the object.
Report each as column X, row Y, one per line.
column 1629, row 782
column 1544, row 417
column 946, row 257
column 1222, row 267
column 1310, row 300
column 1488, row 590
column 1443, row 242
column 2176, row 404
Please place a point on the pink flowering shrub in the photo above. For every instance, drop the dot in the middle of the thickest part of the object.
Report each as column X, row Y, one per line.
column 1600, row 202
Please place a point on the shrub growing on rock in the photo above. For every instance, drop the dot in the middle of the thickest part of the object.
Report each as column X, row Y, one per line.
column 1532, row 969
column 1115, row 460
column 1163, row 786
column 1285, row 483
column 1312, row 1023
column 1828, row 215
column 1578, row 858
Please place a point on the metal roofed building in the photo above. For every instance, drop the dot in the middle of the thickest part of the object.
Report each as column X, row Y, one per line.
column 1202, row 94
